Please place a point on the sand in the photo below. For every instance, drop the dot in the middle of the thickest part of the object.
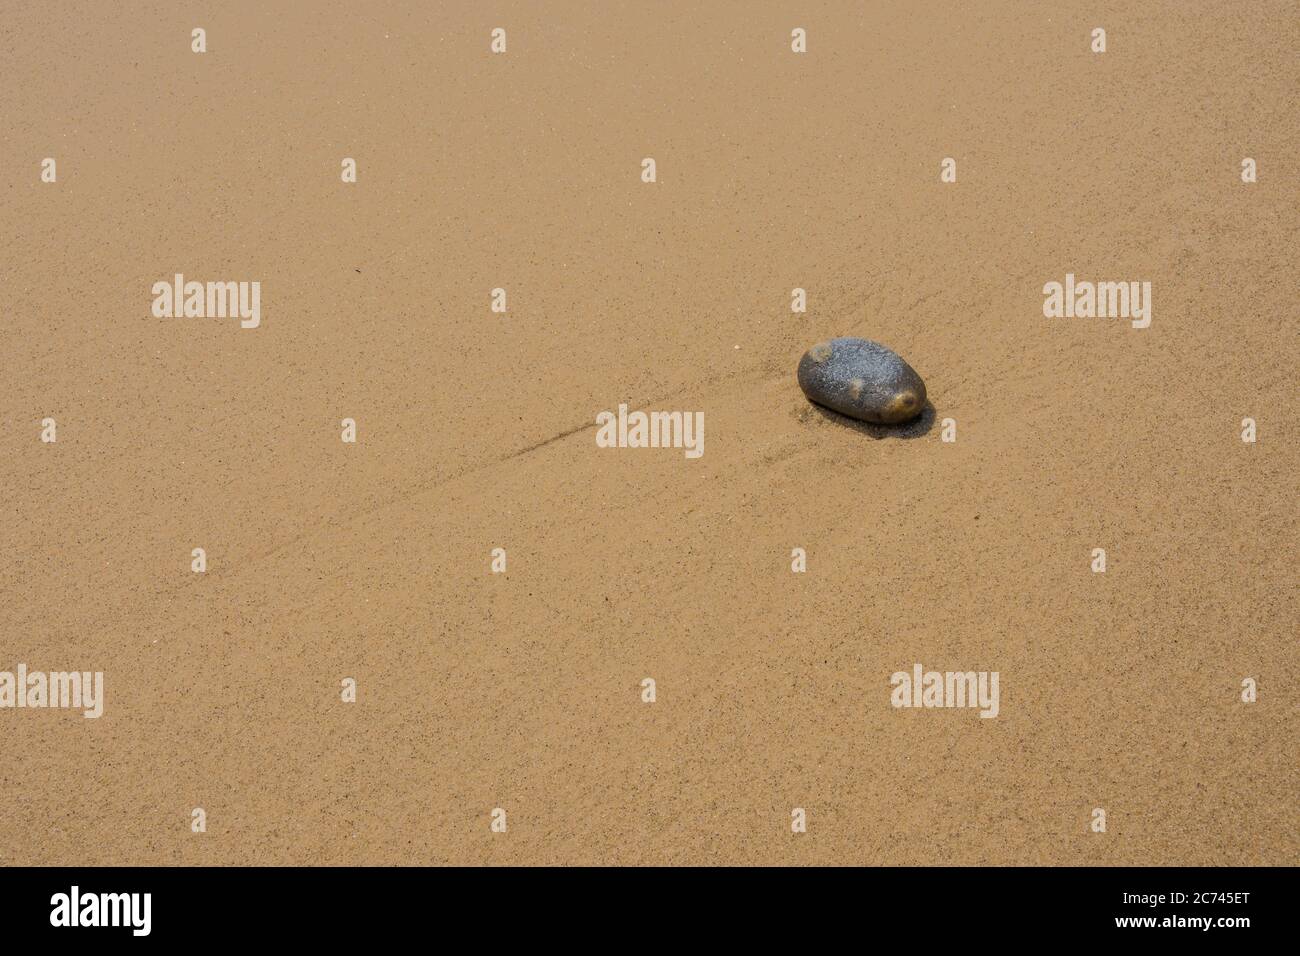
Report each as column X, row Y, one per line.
column 522, row 691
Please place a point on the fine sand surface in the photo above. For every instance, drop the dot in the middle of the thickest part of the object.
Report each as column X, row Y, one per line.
column 522, row 690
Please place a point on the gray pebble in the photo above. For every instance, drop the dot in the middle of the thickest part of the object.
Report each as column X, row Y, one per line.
column 862, row 380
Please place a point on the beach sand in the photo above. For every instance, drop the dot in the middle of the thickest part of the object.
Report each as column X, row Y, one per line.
column 523, row 691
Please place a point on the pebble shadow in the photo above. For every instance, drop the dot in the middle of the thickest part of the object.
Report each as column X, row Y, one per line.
column 916, row 428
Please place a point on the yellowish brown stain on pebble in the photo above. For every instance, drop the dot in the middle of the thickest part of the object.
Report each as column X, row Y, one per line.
column 903, row 404
column 820, row 352
column 855, row 388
